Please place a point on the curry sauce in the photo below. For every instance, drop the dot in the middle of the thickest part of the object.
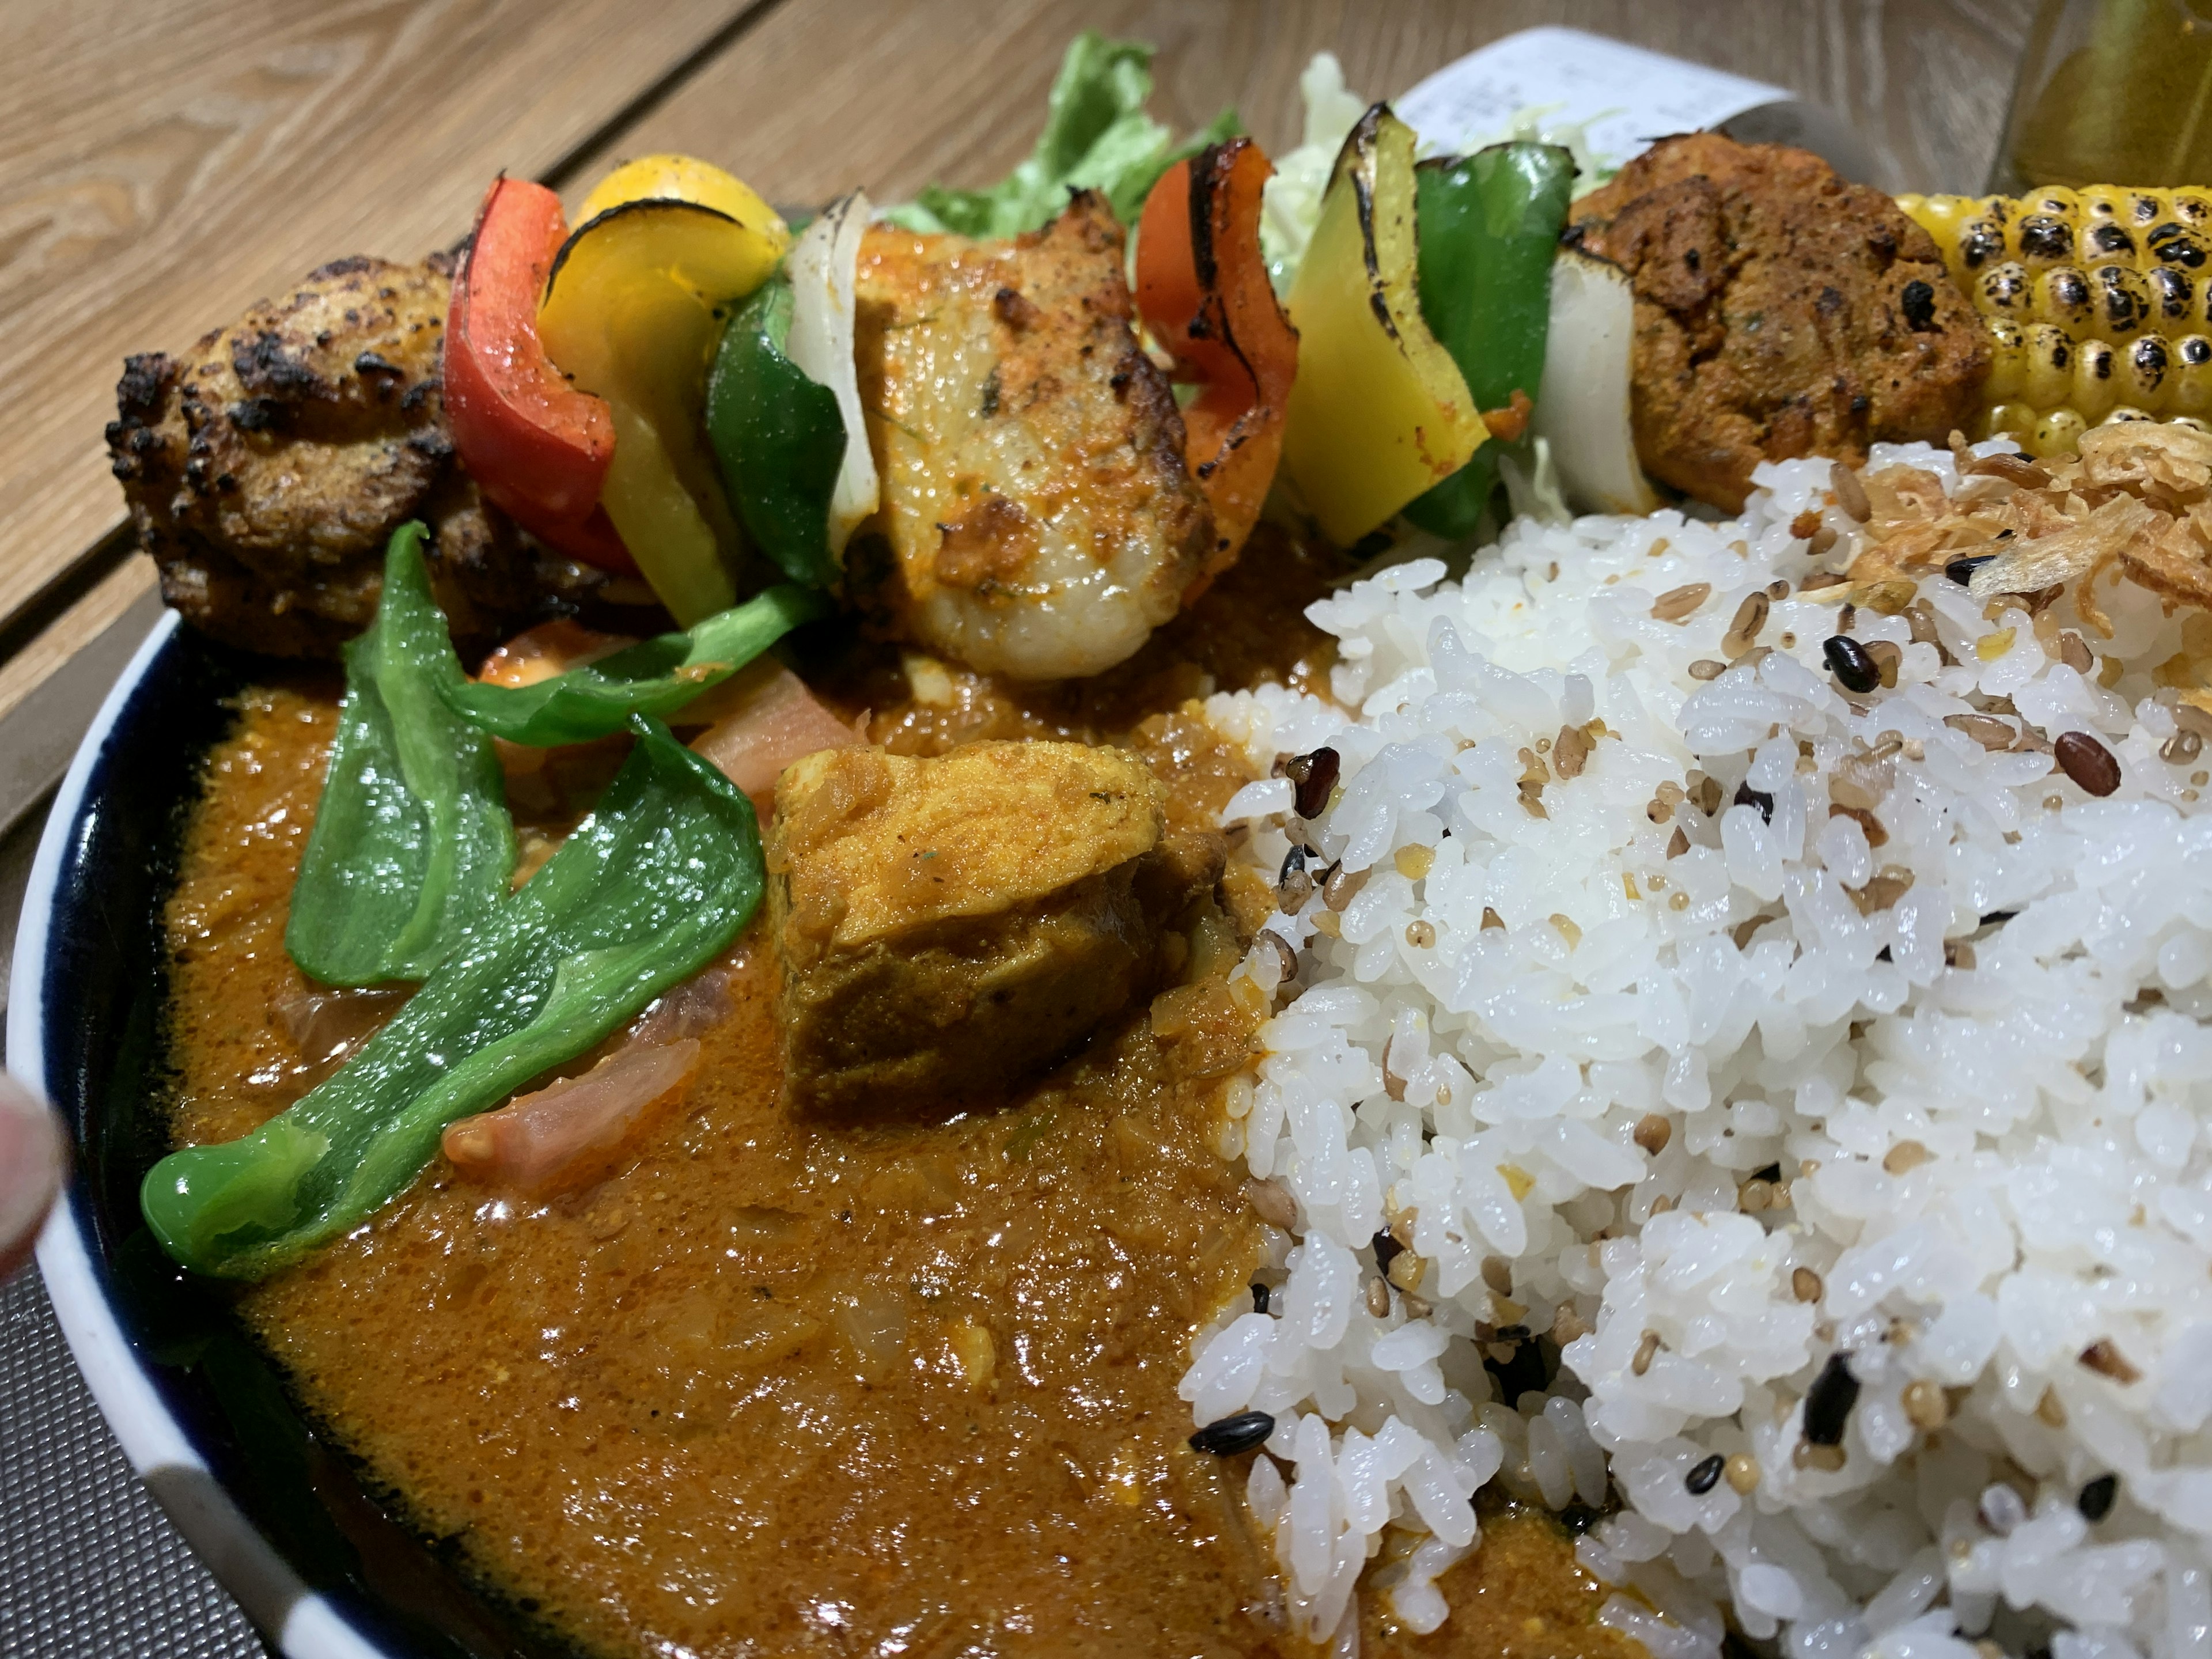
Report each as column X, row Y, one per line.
column 788, row 1385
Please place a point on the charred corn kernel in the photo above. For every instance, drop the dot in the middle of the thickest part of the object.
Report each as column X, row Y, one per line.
column 1981, row 244
column 2007, row 361
column 2005, row 290
column 2056, row 433
column 2040, row 239
column 2098, row 303
column 2191, row 393
column 1946, row 218
column 2095, row 367
column 2102, row 201
column 2172, row 298
column 2061, row 298
column 2015, row 418
column 2179, row 245
column 2050, row 377
column 2102, row 241
column 2121, row 299
column 2143, row 383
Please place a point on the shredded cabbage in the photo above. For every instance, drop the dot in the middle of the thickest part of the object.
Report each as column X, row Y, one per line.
column 1291, row 206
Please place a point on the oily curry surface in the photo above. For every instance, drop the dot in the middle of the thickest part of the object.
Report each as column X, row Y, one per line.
column 782, row 1386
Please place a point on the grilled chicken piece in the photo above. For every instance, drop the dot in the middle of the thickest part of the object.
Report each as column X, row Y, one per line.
column 266, row 469
column 1038, row 517
column 1780, row 312
column 948, row 927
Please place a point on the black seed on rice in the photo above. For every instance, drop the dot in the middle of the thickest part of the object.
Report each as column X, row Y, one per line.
column 1705, row 1476
column 1747, row 796
column 1828, row 1403
column 1578, row 1517
column 1996, row 916
column 2095, row 1502
column 1235, row 1434
column 1315, row 774
column 1386, row 1249
column 1258, row 1297
column 1961, row 571
column 1854, row 670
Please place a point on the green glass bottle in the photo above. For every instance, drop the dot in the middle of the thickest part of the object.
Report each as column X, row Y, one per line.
column 2111, row 92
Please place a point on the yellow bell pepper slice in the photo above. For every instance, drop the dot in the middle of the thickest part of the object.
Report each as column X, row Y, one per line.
column 632, row 312
column 1379, row 412
column 670, row 178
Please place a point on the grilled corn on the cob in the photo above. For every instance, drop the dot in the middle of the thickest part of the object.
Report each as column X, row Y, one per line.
column 2097, row 301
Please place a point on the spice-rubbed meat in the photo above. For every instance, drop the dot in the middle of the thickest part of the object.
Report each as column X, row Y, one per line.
column 1780, row 312
column 1038, row 518
column 266, row 468
column 949, row 925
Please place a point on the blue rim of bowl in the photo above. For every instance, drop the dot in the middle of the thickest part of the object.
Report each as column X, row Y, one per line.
column 279, row 1517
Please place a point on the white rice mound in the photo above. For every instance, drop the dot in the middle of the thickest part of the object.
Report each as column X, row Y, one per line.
column 1993, row 1170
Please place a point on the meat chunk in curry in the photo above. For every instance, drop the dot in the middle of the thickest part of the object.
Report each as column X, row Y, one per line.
column 1780, row 312
column 947, row 926
column 266, row 468
column 1039, row 519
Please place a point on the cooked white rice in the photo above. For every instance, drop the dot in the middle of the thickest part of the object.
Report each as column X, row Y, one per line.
column 1992, row 1169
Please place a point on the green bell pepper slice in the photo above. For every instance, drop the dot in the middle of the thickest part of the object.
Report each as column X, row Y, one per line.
column 778, row 436
column 649, row 888
column 412, row 847
column 657, row 676
column 1489, row 225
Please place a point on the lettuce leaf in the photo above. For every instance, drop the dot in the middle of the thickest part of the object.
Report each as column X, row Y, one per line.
column 1096, row 137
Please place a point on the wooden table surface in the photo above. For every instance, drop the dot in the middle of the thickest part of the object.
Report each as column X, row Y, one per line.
column 164, row 165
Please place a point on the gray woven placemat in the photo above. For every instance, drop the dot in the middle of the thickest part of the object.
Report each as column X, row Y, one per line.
column 89, row 1566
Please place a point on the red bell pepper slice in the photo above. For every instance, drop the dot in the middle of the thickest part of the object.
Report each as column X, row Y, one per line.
column 1202, row 288
column 537, row 447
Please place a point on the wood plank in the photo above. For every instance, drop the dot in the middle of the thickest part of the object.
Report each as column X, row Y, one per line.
column 21, row 731
column 894, row 96
column 162, row 167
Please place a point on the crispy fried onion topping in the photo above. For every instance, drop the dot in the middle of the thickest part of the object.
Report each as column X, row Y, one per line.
column 2137, row 498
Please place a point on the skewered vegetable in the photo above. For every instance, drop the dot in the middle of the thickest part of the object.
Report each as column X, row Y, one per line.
column 824, row 267
column 1489, row 223
column 2098, row 303
column 1583, row 406
column 778, row 435
column 631, row 312
column 1202, row 288
column 1379, row 412
column 535, row 444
